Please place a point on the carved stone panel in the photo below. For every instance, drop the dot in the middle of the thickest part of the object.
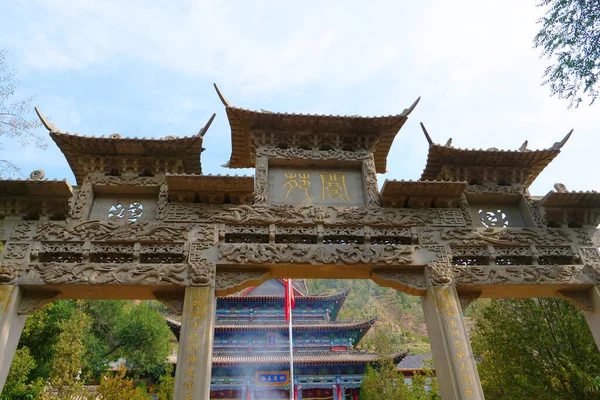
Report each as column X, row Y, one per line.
column 323, row 186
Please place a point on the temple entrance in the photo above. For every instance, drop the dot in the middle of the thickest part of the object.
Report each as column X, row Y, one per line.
column 144, row 223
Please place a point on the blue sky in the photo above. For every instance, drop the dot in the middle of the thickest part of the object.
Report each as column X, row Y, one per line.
column 145, row 68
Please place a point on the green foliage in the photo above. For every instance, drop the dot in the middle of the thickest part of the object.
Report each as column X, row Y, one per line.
column 166, row 384
column 535, row 349
column 69, row 351
column 118, row 387
column 384, row 382
column 17, row 386
column 570, row 35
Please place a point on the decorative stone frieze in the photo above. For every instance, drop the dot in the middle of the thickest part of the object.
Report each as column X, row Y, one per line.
column 314, row 254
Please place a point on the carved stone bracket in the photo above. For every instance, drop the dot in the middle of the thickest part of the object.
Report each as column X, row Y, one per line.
column 467, row 299
column 261, row 188
column 173, row 301
column 372, row 195
column 33, row 301
column 579, row 298
column 233, row 280
column 202, row 273
column 83, row 204
column 409, row 280
column 439, row 272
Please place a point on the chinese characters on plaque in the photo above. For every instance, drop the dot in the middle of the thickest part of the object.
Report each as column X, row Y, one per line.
column 271, row 378
column 316, row 186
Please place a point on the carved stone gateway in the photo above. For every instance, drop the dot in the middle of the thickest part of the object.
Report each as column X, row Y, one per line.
column 144, row 223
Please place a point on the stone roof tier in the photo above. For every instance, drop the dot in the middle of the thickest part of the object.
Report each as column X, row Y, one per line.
column 520, row 166
column 564, row 207
column 422, row 194
column 35, row 196
column 212, row 189
column 118, row 154
column 246, row 123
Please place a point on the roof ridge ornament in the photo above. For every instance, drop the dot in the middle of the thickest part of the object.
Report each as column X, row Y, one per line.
column 47, row 124
column 223, row 99
column 559, row 145
column 524, row 146
column 204, row 129
column 410, row 109
column 426, row 135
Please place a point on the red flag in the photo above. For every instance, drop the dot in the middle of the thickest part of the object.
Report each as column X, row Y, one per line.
column 289, row 299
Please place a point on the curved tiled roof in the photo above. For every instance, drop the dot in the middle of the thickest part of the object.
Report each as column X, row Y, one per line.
column 328, row 326
column 309, row 298
column 303, row 359
column 243, row 121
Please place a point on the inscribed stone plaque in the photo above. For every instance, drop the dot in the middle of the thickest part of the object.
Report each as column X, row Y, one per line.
column 324, row 186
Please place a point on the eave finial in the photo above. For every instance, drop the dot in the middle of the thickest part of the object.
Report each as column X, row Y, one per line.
column 448, row 143
column 559, row 145
column 410, row 109
column 204, row 129
column 223, row 99
column 426, row 135
column 524, row 146
column 51, row 127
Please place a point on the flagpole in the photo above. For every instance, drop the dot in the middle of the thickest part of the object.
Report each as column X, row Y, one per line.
column 289, row 288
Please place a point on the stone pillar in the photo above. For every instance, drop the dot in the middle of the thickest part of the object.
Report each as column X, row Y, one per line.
column 11, row 326
column 194, row 358
column 593, row 317
column 455, row 366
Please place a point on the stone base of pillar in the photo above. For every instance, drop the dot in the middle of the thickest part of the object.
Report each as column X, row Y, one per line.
column 11, row 326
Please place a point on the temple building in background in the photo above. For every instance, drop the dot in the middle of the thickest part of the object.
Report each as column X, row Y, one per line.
column 251, row 346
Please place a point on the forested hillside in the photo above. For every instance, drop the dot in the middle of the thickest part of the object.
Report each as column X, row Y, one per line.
column 400, row 312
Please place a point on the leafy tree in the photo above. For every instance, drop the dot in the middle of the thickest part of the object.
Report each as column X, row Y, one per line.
column 384, row 382
column 16, row 121
column 570, row 35
column 166, row 384
column 16, row 386
column 119, row 387
column 535, row 349
column 68, row 360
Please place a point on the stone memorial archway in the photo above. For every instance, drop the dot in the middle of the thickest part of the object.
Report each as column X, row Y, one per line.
column 144, row 223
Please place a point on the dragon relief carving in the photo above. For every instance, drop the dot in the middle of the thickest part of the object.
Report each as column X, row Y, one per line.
column 518, row 275
column 505, row 236
column 371, row 186
column 110, row 274
column 161, row 204
column 84, row 199
column 311, row 254
column 262, row 180
column 109, row 231
column 202, row 273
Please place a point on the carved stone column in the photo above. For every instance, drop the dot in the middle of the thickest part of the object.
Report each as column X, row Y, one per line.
column 593, row 317
column 194, row 358
column 455, row 366
column 11, row 326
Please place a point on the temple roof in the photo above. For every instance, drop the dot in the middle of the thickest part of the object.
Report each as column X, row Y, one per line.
column 76, row 148
column 307, row 298
column 535, row 161
column 214, row 189
column 302, row 359
column 255, row 326
column 243, row 122
column 31, row 187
